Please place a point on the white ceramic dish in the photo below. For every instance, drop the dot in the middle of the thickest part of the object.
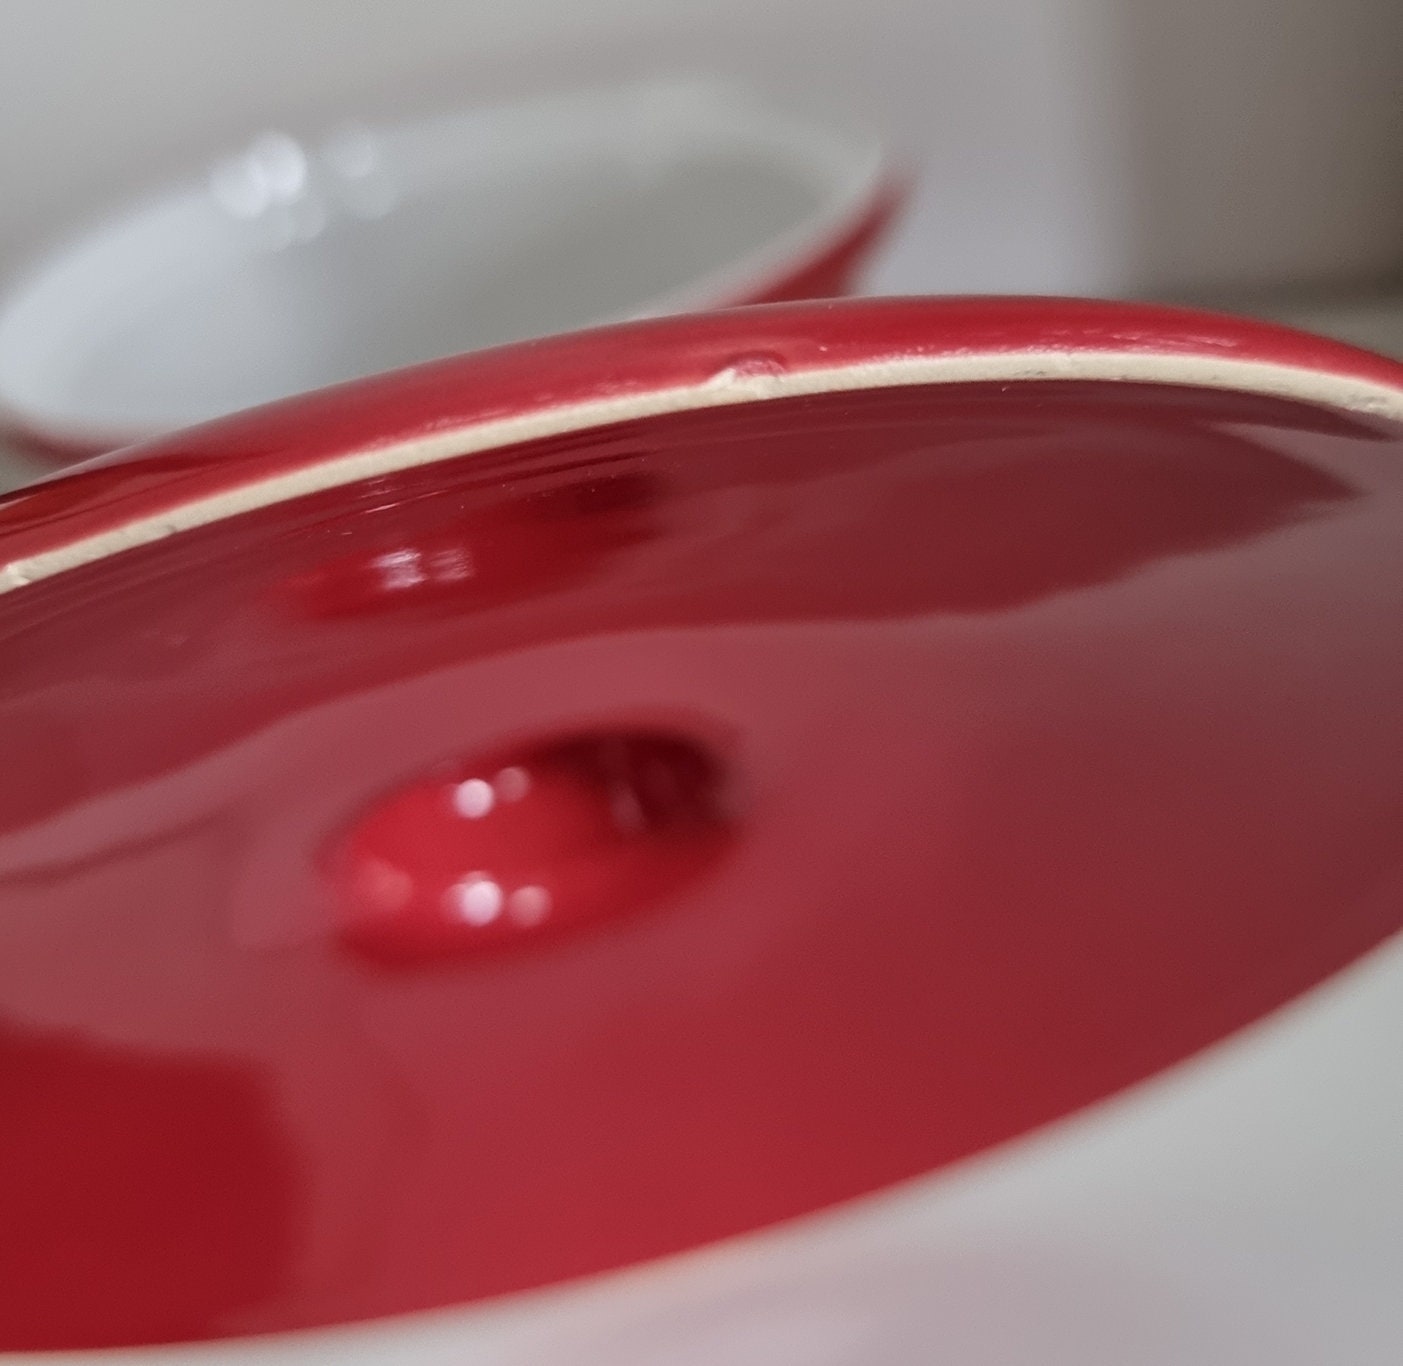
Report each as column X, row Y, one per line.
column 296, row 265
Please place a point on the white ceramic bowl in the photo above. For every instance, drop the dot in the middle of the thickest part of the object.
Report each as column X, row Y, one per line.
column 297, row 265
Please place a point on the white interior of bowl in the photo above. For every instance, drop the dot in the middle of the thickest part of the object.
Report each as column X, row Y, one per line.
column 291, row 267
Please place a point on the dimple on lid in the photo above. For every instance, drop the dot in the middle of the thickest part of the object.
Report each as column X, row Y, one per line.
column 549, row 810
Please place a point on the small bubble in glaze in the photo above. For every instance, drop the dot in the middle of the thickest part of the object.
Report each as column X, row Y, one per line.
column 751, row 365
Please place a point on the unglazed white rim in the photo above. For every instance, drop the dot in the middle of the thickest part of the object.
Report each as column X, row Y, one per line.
column 727, row 387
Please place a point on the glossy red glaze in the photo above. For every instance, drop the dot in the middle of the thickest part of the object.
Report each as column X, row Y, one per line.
column 1060, row 721
column 626, row 362
column 518, row 846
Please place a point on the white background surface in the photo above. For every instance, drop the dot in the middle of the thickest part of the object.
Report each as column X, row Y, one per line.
column 1064, row 145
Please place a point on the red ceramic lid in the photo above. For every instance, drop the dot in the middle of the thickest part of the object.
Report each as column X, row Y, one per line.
column 548, row 810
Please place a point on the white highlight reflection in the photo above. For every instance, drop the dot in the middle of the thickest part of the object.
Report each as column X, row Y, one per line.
column 400, row 569
column 474, row 798
column 477, row 899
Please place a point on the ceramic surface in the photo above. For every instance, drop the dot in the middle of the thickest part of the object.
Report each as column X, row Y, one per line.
column 707, row 784
column 295, row 264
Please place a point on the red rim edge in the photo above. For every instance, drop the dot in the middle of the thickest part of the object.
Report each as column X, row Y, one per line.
column 610, row 374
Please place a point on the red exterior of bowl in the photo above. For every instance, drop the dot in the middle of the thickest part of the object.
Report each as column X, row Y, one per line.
column 1088, row 724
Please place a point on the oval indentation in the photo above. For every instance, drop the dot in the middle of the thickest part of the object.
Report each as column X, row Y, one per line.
column 515, row 845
